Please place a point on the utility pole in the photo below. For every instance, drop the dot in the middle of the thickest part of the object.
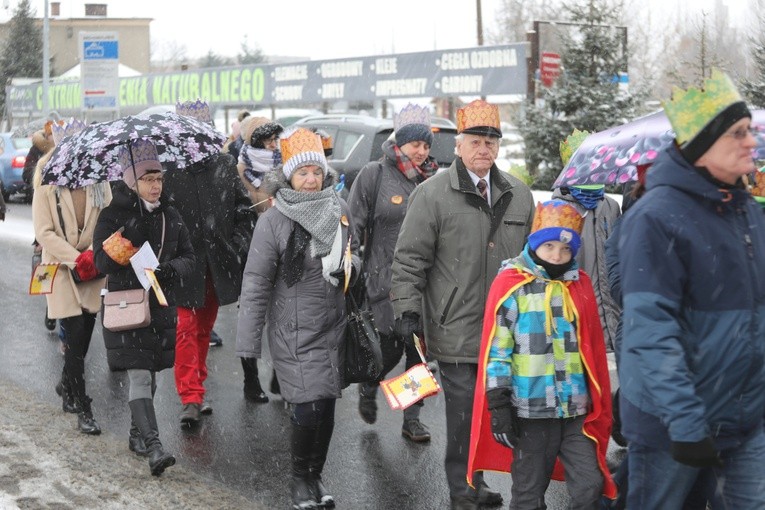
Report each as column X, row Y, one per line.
column 479, row 22
column 46, row 62
column 479, row 27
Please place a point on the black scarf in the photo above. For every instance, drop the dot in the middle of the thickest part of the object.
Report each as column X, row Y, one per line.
column 554, row 271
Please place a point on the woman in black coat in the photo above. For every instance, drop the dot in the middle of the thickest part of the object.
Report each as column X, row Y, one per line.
column 146, row 214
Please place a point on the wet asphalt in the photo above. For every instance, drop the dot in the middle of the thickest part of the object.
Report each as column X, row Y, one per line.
column 242, row 445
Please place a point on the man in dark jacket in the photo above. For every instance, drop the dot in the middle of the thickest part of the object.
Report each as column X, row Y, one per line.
column 459, row 226
column 692, row 367
column 215, row 208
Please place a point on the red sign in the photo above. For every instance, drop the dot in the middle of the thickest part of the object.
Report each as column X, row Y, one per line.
column 549, row 69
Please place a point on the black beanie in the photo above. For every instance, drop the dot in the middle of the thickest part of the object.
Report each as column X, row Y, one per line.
column 412, row 133
column 694, row 148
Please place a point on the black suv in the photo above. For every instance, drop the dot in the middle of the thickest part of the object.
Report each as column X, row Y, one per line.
column 358, row 139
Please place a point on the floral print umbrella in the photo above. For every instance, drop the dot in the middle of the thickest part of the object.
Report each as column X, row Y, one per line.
column 91, row 155
column 612, row 156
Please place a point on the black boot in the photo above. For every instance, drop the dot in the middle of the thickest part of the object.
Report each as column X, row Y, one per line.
column 368, row 402
column 322, row 438
column 252, row 389
column 135, row 440
column 64, row 391
column 85, row 421
column 301, row 487
column 146, row 421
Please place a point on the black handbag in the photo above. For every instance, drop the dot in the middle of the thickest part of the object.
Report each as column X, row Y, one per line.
column 363, row 354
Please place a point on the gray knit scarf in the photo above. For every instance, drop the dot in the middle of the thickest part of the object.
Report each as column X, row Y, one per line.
column 318, row 213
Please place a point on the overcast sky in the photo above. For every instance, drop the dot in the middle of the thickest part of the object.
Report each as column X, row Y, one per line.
column 316, row 29
column 309, row 28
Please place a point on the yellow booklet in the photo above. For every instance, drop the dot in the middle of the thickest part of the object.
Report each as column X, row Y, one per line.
column 42, row 279
column 155, row 285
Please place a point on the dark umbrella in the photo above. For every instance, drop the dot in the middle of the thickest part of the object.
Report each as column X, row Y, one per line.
column 612, row 156
column 91, row 155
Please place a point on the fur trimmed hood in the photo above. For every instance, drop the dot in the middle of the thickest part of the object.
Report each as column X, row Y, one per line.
column 274, row 181
column 42, row 143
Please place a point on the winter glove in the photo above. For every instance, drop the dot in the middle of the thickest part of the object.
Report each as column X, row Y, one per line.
column 407, row 325
column 700, row 454
column 165, row 275
column 85, row 268
column 137, row 231
column 340, row 275
column 504, row 417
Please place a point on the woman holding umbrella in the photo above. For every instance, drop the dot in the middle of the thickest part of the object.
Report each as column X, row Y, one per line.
column 145, row 213
column 64, row 219
column 294, row 280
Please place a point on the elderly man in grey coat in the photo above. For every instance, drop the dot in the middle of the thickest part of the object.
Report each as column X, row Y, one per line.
column 459, row 226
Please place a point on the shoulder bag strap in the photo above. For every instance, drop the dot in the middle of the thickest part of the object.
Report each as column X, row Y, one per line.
column 162, row 242
column 369, row 231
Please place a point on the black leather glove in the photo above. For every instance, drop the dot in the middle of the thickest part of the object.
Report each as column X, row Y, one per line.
column 700, row 454
column 340, row 275
column 504, row 417
column 138, row 230
column 165, row 274
column 407, row 325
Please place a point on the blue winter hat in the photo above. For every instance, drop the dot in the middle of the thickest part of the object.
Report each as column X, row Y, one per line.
column 556, row 220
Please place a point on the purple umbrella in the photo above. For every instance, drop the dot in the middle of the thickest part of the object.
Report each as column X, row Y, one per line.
column 91, row 155
column 612, row 156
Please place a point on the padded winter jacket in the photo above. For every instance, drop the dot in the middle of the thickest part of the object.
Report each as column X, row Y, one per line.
column 216, row 210
column 693, row 354
column 449, row 250
column 390, row 208
column 152, row 347
column 306, row 322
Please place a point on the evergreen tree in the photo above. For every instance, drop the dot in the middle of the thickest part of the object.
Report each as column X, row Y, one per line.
column 586, row 96
column 249, row 55
column 754, row 89
column 212, row 59
column 22, row 50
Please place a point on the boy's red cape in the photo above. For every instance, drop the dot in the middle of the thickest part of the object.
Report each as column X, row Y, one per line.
column 488, row 455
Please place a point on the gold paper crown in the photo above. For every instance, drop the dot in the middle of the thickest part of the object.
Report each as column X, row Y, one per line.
column 557, row 214
column 689, row 111
column 478, row 114
column 572, row 142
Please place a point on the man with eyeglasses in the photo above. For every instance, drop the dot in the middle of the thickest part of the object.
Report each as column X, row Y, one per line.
column 216, row 209
column 692, row 369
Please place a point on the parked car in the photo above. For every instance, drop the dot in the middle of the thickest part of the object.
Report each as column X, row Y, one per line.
column 13, row 155
column 357, row 140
